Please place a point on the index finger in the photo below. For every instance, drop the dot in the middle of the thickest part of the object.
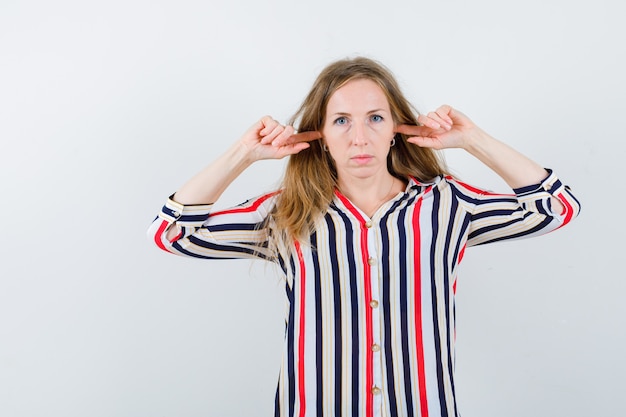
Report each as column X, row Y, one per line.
column 305, row 137
column 411, row 130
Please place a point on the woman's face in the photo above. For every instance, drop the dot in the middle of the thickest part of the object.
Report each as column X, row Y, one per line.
column 358, row 129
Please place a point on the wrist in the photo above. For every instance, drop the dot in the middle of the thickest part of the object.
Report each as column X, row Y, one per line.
column 240, row 156
column 476, row 140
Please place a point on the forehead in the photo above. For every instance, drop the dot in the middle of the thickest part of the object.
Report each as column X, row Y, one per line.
column 358, row 95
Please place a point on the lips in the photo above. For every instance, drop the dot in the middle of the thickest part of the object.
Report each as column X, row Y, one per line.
column 362, row 159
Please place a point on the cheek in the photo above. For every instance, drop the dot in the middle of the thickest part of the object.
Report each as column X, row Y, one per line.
column 385, row 129
column 334, row 134
column 326, row 131
column 336, row 143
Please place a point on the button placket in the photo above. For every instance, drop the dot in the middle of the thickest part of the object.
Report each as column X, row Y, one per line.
column 376, row 348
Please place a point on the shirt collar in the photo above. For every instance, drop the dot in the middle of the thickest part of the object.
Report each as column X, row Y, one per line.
column 414, row 184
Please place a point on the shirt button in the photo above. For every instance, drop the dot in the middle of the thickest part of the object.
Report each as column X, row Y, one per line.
column 375, row 348
column 175, row 214
column 376, row 390
column 373, row 303
column 371, row 261
column 368, row 224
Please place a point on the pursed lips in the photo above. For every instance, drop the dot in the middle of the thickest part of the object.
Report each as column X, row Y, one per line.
column 362, row 159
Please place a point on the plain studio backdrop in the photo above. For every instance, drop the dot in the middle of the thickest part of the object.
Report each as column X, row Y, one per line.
column 106, row 108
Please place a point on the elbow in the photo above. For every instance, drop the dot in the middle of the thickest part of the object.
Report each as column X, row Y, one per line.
column 570, row 206
column 162, row 235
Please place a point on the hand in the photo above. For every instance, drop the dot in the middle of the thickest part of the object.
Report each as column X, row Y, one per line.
column 268, row 139
column 441, row 129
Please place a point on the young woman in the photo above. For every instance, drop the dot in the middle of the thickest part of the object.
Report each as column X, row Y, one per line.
column 368, row 230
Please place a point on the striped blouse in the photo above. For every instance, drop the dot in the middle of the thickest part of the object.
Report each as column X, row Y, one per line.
column 370, row 328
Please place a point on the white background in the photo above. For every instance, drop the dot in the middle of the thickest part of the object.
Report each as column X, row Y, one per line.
column 108, row 107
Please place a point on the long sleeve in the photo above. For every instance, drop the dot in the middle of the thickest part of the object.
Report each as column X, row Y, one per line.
column 529, row 212
column 239, row 232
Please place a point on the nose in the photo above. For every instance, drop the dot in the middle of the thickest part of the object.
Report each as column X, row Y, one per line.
column 359, row 134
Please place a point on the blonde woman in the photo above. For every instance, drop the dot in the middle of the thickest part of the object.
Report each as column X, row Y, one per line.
column 368, row 230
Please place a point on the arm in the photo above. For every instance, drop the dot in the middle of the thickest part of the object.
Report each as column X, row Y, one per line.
column 256, row 144
column 449, row 128
column 238, row 232
column 529, row 212
column 190, row 205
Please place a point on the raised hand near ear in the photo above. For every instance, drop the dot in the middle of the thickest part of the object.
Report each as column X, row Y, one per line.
column 441, row 129
column 268, row 139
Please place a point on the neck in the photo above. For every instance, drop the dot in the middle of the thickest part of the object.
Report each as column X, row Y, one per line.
column 368, row 194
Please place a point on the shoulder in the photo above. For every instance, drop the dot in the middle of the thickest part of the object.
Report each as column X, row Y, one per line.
column 466, row 188
column 442, row 183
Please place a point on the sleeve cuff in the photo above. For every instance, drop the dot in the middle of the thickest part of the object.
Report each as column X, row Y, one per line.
column 192, row 215
column 551, row 184
column 537, row 197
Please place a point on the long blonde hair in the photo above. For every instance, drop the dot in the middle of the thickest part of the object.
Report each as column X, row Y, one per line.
column 311, row 177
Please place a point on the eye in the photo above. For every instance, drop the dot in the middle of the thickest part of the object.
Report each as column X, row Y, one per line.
column 376, row 118
column 341, row 121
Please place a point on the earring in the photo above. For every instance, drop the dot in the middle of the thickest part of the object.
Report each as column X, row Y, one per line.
column 325, row 147
column 393, row 141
